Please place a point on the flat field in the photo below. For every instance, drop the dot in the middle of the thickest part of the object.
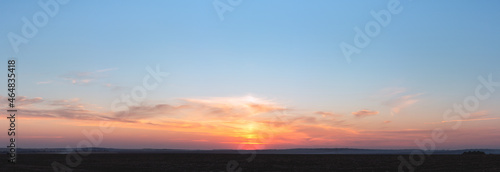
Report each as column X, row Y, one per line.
column 261, row 162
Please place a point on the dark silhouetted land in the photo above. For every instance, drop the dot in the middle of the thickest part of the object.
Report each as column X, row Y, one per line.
column 216, row 162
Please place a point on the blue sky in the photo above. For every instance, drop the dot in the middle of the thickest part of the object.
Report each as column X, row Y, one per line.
column 286, row 51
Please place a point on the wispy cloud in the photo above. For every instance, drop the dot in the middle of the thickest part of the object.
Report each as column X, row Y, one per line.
column 63, row 109
column 479, row 114
column 43, row 82
column 391, row 91
column 364, row 113
column 105, row 70
column 42, row 137
column 483, row 115
column 21, row 101
column 84, row 78
column 398, row 98
column 477, row 119
column 327, row 114
column 112, row 86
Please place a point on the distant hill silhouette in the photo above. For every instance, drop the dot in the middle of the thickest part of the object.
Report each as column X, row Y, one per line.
column 346, row 151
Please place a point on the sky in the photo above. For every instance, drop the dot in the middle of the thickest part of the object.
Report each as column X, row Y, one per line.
column 253, row 74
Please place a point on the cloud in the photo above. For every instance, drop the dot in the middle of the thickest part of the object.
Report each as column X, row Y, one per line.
column 62, row 113
column 232, row 107
column 78, row 80
column 392, row 91
column 274, row 123
column 397, row 98
column 409, row 134
column 42, row 137
column 474, row 119
column 37, row 107
column 105, row 70
column 43, row 82
column 112, row 86
column 327, row 114
column 84, row 78
column 225, row 113
column 404, row 131
column 364, row 113
column 483, row 115
column 479, row 114
column 189, row 113
column 305, row 120
column 21, row 101
column 386, row 122
column 401, row 102
column 323, row 131
column 145, row 111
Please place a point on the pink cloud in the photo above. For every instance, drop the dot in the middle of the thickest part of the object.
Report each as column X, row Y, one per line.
column 364, row 113
column 327, row 114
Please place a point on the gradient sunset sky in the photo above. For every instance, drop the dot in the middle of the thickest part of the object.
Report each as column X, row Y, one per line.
column 270, row 75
